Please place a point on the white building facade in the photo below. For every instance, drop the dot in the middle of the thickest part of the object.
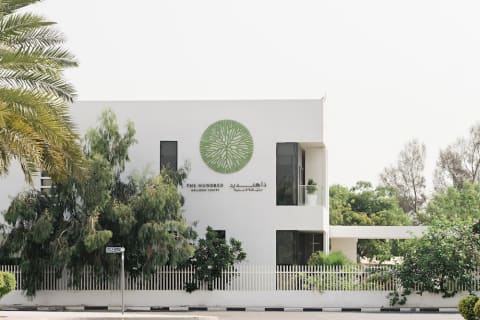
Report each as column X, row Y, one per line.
column 250, row 164
column 248, row 170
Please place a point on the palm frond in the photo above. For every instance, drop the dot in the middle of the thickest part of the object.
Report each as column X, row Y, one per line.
column 28, row 37
column 40, row 81
column 37, row 57
column 35, row 127
column 9, row 6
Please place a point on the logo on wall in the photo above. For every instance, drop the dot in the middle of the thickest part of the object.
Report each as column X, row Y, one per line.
column 226, row 146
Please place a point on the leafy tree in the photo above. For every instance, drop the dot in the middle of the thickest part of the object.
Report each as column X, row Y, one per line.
column 212, row 255
column 448, row 253
column 365, row 205
column 407, row 178
column 454, row 204
column 71, row 224
column 459, row 163
column 339, row 204
column 35, row 127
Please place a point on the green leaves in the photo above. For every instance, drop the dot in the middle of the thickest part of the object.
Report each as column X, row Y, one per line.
column 212, row 255
column 457, row 204
column 97, row 240
column 35, row 128
column 72, row 224
column 7, row 283
column 447, row 254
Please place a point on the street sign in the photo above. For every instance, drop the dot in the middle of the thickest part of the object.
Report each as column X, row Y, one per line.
column 122, row 274
column 114, row 249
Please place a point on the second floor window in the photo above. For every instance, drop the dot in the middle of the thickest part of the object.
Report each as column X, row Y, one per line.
column 168, row 155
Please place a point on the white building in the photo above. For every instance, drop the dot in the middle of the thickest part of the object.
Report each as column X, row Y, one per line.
column 250, row 163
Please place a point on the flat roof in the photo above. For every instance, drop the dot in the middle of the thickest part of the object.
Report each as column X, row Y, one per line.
column 377, row 232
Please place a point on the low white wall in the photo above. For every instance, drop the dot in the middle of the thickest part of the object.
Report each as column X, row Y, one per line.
column 330, row 299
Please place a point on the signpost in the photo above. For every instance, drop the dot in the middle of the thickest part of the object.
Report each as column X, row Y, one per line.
column 122, row 275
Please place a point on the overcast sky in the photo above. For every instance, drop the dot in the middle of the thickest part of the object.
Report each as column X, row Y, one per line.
column 391, row 70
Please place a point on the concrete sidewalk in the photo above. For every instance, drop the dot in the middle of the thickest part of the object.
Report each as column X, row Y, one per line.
column 22, row 315
column 44, row 315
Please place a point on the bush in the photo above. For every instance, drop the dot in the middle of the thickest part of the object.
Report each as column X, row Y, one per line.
column 476, row 309
column 335, row 258
column 7, row 283
column 466, row 307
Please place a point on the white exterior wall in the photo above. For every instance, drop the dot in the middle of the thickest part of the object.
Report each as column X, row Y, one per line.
column 299, row 299
column 251, row 217
column 346, row 245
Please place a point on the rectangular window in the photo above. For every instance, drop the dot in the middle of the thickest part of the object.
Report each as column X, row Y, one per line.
column 295, row 247
column 286, row 247
column 287, row 174
column 220, row 234
column 168, row 155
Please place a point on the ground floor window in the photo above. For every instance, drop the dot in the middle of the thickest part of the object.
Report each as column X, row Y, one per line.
column 295, row 247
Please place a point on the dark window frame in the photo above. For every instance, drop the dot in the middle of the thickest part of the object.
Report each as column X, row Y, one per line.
column 286, row 164
column 166, row 159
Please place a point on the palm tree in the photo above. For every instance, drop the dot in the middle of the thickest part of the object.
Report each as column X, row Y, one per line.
column 35, row 126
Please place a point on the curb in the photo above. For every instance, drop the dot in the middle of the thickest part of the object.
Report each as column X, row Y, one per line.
column 238, row 309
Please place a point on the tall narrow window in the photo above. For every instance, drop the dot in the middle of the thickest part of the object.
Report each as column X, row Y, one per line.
column 287, row 174
column 168, row 154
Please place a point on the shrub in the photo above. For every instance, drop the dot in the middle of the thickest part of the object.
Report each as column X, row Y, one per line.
column 7, row 283
column 335, row 258
column 466, row 307
column 476, row 309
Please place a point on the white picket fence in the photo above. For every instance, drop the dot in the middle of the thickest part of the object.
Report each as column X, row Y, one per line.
column 238, row 278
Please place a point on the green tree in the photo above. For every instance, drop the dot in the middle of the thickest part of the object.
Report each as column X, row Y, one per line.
column 447, row 254
column 212, row 255
column 35, row 127
column 364, row 205
column 71, row 224
column 457, row 204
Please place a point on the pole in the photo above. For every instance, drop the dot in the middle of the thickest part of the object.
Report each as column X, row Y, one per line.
column 123, row 278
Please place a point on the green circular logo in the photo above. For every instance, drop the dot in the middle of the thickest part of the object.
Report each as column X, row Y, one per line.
column 226, row 146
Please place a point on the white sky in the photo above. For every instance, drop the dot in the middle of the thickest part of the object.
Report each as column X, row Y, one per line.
column 392, row 70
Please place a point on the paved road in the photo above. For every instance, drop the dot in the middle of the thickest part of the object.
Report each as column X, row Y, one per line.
column 23, row 315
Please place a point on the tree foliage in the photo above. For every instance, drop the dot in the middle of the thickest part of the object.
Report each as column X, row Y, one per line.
column 407, row 178
column 459, row 163
column 454, row 204
column 35, row 126
column 7, row 283
column 335, row 258
column 364, row 205
column 212, row 255
column 447, row 254
column 466, row 307
column 71, row 224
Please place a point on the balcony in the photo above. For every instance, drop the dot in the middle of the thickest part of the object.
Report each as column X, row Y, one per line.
column 309, row 195
column 301, row 174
